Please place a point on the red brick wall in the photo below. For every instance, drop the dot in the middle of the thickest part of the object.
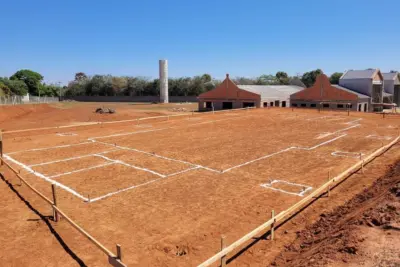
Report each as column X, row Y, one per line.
column 228, row 90
column 322, row 90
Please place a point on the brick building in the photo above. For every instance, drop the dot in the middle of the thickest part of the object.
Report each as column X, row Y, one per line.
column 325, row 95
column 228, row 95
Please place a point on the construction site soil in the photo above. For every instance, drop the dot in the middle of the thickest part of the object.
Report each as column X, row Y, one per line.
column 166, row 189
column 362, row 232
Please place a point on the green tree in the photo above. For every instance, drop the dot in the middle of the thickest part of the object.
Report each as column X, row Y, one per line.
column 119, row 85
column 282, row 77
column 267, row 79
column 244, row 81
column 50, row 89
column 334, row 79
column 136, row 86
column 80, row 76
column 309, row 78
column 206, row 78
column 4, row 90
column 30, row 78
column 15, row 87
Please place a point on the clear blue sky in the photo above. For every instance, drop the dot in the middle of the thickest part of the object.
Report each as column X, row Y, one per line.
column 243, row 38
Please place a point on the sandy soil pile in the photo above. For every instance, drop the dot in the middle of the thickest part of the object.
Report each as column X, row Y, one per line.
column 361, row 232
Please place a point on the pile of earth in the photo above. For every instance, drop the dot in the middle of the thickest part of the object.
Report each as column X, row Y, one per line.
column 105, row 111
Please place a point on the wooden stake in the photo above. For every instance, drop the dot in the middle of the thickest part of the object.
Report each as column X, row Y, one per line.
column 55, row 213
column 223, row 258
column 360, row 156
column 362, row 167
column 119, row 252
column 273, row 225
column 1, row 146
column 329, row 187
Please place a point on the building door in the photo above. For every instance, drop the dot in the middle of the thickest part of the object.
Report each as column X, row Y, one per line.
column 396, row 96
column 276, row 103
column 265, row 104
column 248, row 104
column 284, row 104
column 227, row 105
column 271, row 104
column 359, row 107
column 365, row 107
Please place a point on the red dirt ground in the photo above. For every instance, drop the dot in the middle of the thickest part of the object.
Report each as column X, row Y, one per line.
column 363, row 232
column 177, row 221
column 70, row 113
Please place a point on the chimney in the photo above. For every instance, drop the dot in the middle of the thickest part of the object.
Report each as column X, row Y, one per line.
column 227, row 75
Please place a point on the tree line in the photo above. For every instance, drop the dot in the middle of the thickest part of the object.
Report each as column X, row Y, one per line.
column 28, row 81
column 107, row 85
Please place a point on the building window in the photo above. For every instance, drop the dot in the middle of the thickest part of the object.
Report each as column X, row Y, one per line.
column 271, row 104
column 265, row 104
column 339, row 106
column 303, row 105
column 208, row 104
column 325, row 105
column 349, row 106
column 313, row 105
column 284, row 104
column 294, row 105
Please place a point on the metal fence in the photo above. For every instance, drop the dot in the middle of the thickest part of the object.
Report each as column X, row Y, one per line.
column 43, row 99
column 16, row 100
column 11, row 100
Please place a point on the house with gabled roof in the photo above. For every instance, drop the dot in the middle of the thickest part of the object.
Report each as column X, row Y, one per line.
column 368, row 82
column 228, row 95
column 324, row 95
column 392, row 85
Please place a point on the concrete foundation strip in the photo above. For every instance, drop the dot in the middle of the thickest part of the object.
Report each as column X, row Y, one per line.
column 282, row 215
column 112, row 258
column 305, row 188
column 44, row 177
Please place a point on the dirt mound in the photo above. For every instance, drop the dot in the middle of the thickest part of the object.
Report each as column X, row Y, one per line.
column 339, row 236
column 105, row 111
column 9, row 113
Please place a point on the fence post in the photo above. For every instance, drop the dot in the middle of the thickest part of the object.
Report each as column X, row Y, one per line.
column 273, row 225
column 223, row 258
column 119, row 252
column 55, row 213
column 362, row 167
column 329, row 186
column 1, row 146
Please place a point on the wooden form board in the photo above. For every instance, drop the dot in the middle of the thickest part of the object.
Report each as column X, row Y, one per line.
column 112, row 258
column 286, row 213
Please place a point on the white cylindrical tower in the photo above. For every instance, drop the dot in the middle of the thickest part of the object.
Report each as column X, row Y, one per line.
column 163, row 81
